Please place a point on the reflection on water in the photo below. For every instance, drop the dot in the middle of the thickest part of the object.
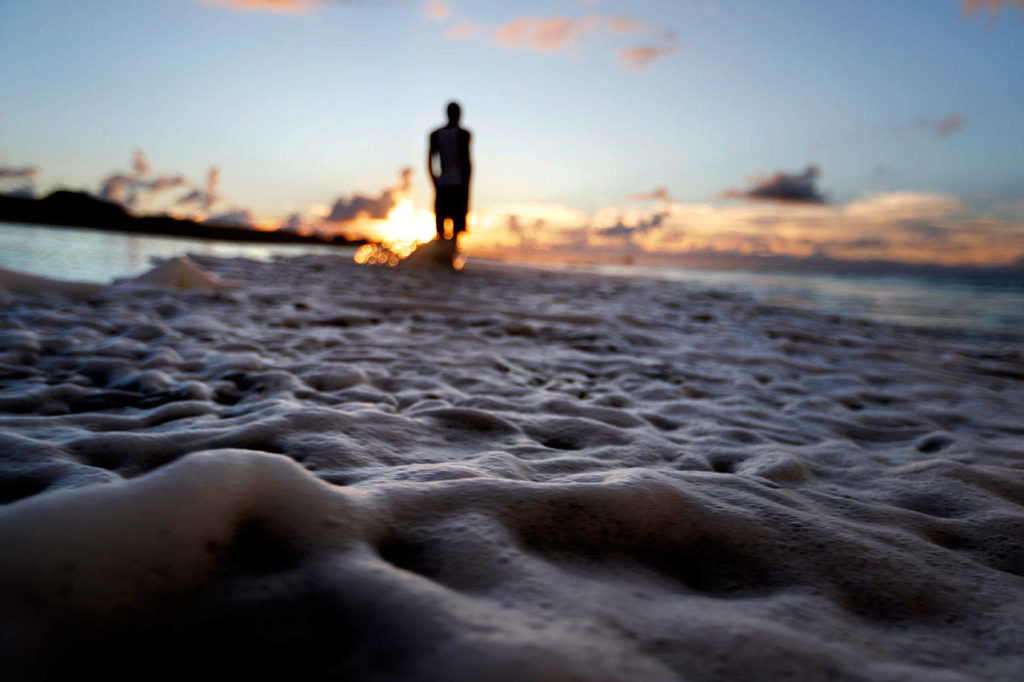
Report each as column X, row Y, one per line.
column 97, row 256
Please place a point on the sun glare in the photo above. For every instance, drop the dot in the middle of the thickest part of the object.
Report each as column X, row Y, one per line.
column 406, row 228
column 406, row 223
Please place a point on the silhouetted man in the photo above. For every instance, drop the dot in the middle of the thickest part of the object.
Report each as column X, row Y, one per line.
column 450, row 145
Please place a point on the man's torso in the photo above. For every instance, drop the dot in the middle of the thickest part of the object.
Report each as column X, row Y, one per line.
column 450, row 143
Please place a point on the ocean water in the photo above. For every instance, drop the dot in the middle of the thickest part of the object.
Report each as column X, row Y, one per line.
column 951, row 302
column 98, row 256
column 937, row 302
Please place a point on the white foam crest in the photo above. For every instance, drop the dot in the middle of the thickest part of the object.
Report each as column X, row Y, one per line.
column 181, row 273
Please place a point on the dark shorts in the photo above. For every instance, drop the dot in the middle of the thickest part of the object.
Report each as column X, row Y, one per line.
column 452, row 202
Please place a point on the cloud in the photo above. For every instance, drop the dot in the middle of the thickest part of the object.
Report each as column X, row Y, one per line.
column 937, row 126
column 241, row 217
column 942, row 127
column 116, row 188
column 527, row 233
column 859, row 243
column 437, row 9
column 621, row 229
column 24, row 176
column 18, row 173
column 137, row 186
column 551, row 34
column 282, row 6
column 140, row 164
column 640, row 57
column 995, row 6
column 203, row 198
column 554, row 34
column 909, row 227
column 529, row 226
column 346, row 209
column 657, row 194
column 904, row 226
column 563, row 34
column 796, row 188
column 903, row 206
column 206, row 203
column 164, row 182
column 622, row 24
column 293, row 224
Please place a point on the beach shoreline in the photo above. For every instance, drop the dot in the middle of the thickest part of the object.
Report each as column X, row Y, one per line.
column 503, row 473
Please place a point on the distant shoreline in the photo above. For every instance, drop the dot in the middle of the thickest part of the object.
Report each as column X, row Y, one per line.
column 65, row 208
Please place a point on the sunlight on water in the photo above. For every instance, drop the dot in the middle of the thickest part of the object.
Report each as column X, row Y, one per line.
column 390, row 254
column 405, row 229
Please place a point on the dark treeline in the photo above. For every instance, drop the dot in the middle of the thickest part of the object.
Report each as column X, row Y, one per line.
column 78, row 209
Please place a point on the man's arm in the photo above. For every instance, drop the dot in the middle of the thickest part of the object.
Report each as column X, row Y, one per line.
column 466, row 158
column 431, row 153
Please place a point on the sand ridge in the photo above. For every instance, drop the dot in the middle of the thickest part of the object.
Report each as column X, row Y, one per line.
column 504, row 473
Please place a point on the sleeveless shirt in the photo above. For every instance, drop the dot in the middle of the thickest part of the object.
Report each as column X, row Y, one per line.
column 452, row 172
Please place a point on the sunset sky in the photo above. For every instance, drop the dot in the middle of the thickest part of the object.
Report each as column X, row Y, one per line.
column 860, row 129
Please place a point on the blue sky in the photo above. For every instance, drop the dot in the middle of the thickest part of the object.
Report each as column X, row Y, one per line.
column 577, row 108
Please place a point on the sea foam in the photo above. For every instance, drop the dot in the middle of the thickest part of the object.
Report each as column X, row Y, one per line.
column 504, row 474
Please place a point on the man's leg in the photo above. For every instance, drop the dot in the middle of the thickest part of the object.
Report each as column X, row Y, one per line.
column 439, row 212
column 460, row 208
column 447, row 208
column 458, row 223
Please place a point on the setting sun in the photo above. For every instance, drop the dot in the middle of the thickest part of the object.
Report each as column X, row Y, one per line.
column 406, row 228
column 407, row 223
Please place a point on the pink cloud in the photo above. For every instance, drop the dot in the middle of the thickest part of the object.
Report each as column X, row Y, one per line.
column 437, row 9
column 552, row 34
column 623, row 24
column 640, row 57
column 944, row 127
column 563, row 34
column 972, row 6
column 283, row 6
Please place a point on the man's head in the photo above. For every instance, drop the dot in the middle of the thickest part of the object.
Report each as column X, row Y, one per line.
column 454, row 113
